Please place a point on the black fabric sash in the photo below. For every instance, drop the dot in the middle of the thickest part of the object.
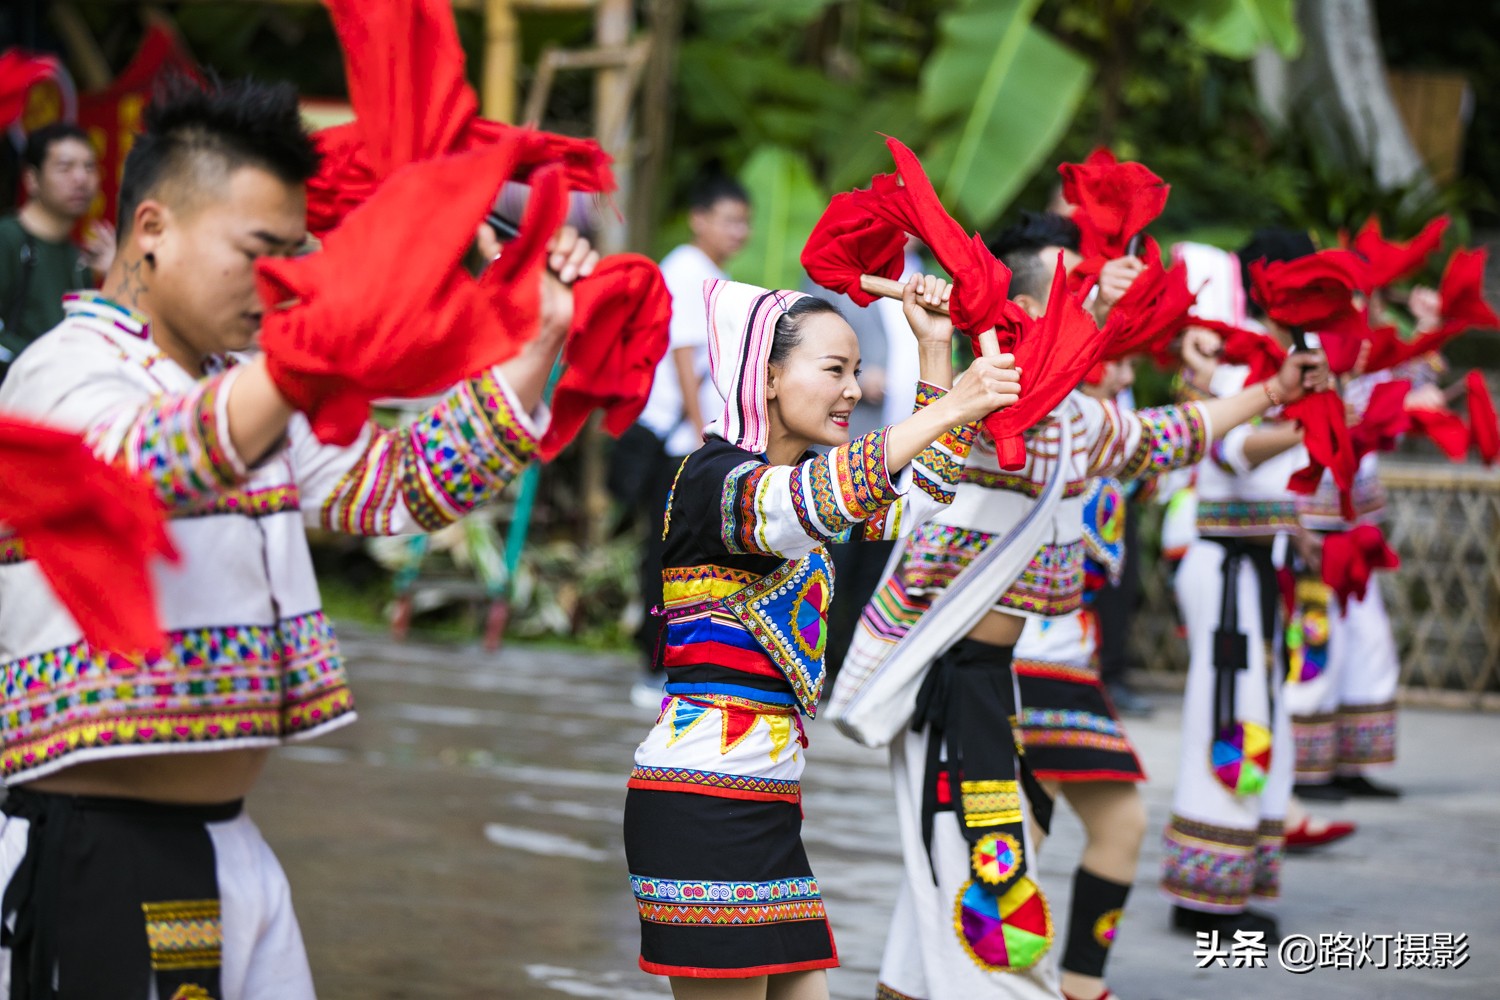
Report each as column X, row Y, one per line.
column 95, row 874
column 1231, row 645
column 966, row 704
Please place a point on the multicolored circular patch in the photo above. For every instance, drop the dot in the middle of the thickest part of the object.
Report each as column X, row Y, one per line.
column 1307, row 645
column 810, row 616
column 1242, row 757
column 1104, row 928
column 1004, row 934
column 996, row 858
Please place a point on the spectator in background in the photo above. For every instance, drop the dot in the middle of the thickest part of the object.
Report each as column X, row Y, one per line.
column 683, row 399
column 38, row 259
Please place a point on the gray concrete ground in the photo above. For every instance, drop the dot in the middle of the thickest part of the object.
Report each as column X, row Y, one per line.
column 463, row 840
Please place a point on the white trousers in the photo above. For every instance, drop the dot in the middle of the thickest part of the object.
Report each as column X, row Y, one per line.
column 1344, row 719
column 924, row 958
column 1222, row 847
column 263, row 957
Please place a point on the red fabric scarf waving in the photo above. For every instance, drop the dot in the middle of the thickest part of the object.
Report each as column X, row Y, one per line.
column 847, row 242
column 1112, row 203
column 1484, row 428
column 1385, row 419
column 1387, row 262
column 1329, row 446
column 1350, row 558
column 405, row 69
column 981, row 284
column 1150, row 314
column 1054, row 353
column 1257, row 351
column 1315, row 292
column 621, row 316
column 92, row 529
column 386, row 308
column 1445, row 428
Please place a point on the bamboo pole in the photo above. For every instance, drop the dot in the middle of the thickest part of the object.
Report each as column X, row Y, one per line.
column 502, row 44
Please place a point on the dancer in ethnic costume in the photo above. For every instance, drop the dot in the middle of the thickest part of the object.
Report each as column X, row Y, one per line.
column 1233, row 805
column 713, row 818
column 131, row 867
column 1343, row 668
column 960, row 801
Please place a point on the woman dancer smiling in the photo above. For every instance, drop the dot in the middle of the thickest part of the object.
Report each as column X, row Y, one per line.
column 729, row 907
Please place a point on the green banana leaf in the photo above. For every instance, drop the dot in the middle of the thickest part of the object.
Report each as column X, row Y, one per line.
column 1002, row 92
column 786, row 203
column 1238, row 28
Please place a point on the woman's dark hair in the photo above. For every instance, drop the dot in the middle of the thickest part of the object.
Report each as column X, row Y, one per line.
column 789, row 325
column 1272, row 246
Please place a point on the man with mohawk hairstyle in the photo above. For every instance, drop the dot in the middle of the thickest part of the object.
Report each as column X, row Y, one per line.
column 131, row 868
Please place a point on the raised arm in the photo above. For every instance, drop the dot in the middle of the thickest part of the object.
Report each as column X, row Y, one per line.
column 790, row 510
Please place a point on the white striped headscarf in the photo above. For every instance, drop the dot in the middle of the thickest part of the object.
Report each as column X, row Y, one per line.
column 741, row 328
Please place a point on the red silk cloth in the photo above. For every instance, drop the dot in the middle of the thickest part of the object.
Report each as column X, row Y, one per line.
column 1350, row 559
column 405, row 69
column 848, row 242
column 367, row 318
column 90, row 527
column 622, row 314
column 1329, row 446
column 1387, row 262
column 858, row 235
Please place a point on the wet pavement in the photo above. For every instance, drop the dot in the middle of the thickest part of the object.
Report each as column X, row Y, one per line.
column 462, row 840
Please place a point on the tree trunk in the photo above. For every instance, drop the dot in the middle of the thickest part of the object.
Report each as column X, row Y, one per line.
column 1340, row 80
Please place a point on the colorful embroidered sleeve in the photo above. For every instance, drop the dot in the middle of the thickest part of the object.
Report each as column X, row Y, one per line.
column 934, row 478
column 1130, row 444
column 179, row 443
column 454, row 457
column 789, row 510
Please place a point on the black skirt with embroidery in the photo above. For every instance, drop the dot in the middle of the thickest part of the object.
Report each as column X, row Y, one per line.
column 1069, row 727
column 723, row 887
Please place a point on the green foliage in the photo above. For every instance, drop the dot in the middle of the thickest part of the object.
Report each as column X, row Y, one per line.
column 802, row 90
column 787, row 204
column 1237, row 28
column 999, row 94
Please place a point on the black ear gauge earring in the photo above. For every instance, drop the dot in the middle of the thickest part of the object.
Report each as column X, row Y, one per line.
column 151, row 259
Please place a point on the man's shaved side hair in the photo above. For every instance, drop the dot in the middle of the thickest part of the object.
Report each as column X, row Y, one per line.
column 196, row 133
column 1019, row 248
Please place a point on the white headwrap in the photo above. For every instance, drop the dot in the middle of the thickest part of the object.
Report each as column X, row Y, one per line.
column 741, row 328
column 1217, row 274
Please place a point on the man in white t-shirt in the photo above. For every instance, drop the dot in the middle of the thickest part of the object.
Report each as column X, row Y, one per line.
column 683, row 398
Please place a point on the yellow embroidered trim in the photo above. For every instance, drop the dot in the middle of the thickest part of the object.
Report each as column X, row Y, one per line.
column 184, row 934
column 990, row 803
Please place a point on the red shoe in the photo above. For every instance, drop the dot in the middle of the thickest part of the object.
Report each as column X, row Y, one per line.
column 1106, row 995
column 1299, row 839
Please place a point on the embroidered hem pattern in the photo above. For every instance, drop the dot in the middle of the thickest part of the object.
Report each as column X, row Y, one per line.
column 1367, row 734
column 729, row 786
column 1317, row 738
column 1213, row 868
column 211, row 686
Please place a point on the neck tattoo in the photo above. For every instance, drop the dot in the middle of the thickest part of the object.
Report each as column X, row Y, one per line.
column 133, row 283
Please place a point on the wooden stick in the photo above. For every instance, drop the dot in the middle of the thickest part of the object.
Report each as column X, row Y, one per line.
column 888, row 289
column 989, row 341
